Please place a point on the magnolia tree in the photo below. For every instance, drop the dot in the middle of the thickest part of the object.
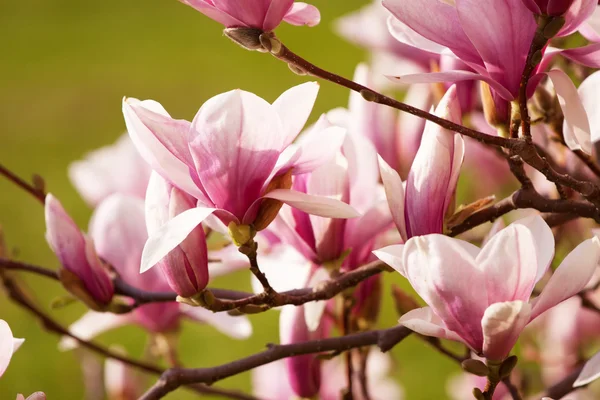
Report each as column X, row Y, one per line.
column 318, row 214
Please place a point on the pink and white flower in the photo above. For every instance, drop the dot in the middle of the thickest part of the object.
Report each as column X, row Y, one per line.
column 265, row 15
column 481, row 297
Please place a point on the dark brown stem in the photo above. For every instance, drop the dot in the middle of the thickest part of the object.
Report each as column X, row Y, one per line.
column 172, row 379
column 21, row 266
column 513, row 390
column 346, row 310
column 40, row 195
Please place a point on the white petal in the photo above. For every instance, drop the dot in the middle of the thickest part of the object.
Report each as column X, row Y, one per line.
column 294, row 107
column 91, row 325
column 394, row 192
column 171, row 234
column 544, row 242
column 590, row 371
column 315, row 205
column 425, row 322
column 501, row 325
column 392, row 256
column 313, row 311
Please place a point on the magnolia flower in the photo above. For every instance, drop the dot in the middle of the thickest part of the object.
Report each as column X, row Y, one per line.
column 265, row 15
column 497, row 55
column 270, row 383
column 186, row 266
column 117, row 168
column 83, row 273
column 432, row 178
column 33, row 396
column 119, row 231
column 236, row 158
column 8, row 345
column 481, row 297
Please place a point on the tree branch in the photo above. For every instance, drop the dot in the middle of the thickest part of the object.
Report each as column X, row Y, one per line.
column 172, row 379
column 38, row 193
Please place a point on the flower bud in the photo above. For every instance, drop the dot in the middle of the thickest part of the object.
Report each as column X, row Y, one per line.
column 186, row 266
column 548, row 7
column 83, row 274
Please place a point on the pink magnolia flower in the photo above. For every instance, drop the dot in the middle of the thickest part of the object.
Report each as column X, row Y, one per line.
column 119, row 231
column 83, row 274
column 270, row 382
column 8, row 345
column 33, row 396
column 235, row 158
column 117, row 168
column 432, row 179
column 495, row 54
column 488, row 310
column 265, row 15
column 186, row 266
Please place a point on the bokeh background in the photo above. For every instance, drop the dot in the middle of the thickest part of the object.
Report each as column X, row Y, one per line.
column 64, row 67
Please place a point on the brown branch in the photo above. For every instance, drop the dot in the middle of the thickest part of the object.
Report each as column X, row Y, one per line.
column 21, row 298
column 7, row 264
column 38, row 193
column 172, row 379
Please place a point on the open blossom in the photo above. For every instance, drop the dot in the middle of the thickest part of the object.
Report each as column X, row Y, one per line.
column 8, row 345
column 119, row 231
column 481, row 297
column 270, row 383
column 117, row 168
column 186, row 266
column 265, row 15
column 236, row 158
column 420, row 209
column 83, row 273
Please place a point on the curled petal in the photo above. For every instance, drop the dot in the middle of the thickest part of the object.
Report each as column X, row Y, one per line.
column 588, row 92
column 424, row 321
column 294, row 107
column 394, row 192
column 303, row 14
column 590, row 371
column 314, row 205
column 502, row 324
column 392, row 256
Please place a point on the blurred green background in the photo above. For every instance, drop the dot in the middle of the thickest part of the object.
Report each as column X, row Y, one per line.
column 64, row 67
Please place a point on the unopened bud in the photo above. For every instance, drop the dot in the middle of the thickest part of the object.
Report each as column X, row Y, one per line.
column 297, row 70
column 248, row 38
column 76, row 287
column 368, row 94
column 475, row 367
column 269, row 42
column 507, row 366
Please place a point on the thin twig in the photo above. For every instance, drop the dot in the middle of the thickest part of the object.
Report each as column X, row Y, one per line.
column 40, row 195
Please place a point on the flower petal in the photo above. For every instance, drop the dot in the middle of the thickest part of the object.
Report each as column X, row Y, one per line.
column 590, row 371
column 392, row 256
column 91, row 325
column 208, row 9
column 303, row 14
column 588, row 92
column 509, row 264
column 8, row 345
column 576, row 127
column 318, row 148
column 314, row 205
column 406, row 35
column 570, row 277
column 313, row 311
column 235, row 143
column 238, row 327
column 544, row 242
column 171, row 234
column 424, row 321
column 394, row 192
column 579, row 12
column 294, row 107
column 502, row 324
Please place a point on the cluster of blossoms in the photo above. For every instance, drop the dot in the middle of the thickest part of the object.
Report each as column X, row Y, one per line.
column 249, row 184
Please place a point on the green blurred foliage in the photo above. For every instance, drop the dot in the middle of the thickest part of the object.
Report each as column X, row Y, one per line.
column 64, row 67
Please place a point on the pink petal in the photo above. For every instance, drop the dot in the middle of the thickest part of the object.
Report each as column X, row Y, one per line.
column 91, row 325
column 590, row 29
column 576, row 127
column 238, row 327
column 318, row 148
column 171, row 234
column 269, row 382
column 454, row 76
column 235, row 143
column 153, row 151
column 8, row 345
column 303, row 14
column 509, row 265
column 278, row 9
column 404, row 34
column 314, row 205
column 294, row 107
column 253, row 13
column 590, row 371
column 588, row 56
column 434, row 173
column 436, row 267
column 446, row 30
column 578, row 13
column 502, row 38
column 424, row 321
column 544, row 242
column 392, row 256
column 502, row 324
column 394, row 192
column 570, row 277
column 207, row 8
